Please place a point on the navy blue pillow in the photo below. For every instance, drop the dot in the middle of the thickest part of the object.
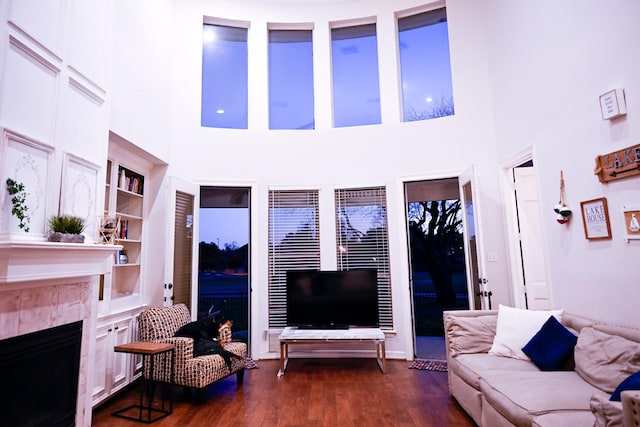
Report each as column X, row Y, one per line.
column 632, row 382
column 551, row 346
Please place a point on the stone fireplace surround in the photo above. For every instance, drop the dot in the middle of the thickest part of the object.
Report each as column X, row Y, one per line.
column 43, row 285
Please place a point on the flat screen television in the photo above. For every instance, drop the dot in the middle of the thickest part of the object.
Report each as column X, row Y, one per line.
column 320, row 299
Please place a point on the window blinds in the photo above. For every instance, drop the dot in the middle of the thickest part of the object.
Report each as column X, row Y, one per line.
column 183, row 249
column 294, row 244
column 362, row 239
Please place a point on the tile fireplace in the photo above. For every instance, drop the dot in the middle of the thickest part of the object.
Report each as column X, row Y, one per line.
column 45, row 286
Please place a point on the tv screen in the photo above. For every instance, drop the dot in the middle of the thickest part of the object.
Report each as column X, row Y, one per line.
column 332, row 299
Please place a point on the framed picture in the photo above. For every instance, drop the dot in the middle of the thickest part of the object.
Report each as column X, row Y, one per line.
column 631, row 217
column 78, row 192
column 595, row 218
column 29, row 162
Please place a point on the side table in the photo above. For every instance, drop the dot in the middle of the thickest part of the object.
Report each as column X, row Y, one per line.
column 149, row 352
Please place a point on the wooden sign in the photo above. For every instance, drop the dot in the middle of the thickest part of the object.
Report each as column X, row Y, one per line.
column 618, row 164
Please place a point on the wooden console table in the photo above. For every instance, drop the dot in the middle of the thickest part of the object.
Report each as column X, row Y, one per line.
column 292, row 335
column 150, row 350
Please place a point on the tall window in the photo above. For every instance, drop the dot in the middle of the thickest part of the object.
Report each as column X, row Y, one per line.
column 356, row 90
column 224, row 77
column 362, row 239
column 425, row 66
column 294, row 244
column 291, row 79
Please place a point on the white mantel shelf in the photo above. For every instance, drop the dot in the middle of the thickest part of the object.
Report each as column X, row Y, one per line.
column 22, row 262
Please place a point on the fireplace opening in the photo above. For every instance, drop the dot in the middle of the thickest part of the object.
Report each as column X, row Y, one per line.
column 39, row 374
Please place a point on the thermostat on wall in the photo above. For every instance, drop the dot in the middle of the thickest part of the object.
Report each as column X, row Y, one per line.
column 612, row 104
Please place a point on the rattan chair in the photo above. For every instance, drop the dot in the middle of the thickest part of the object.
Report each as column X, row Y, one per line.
column 631, row 407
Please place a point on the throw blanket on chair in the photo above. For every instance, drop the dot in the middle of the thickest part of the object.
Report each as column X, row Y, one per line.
column 204, row 333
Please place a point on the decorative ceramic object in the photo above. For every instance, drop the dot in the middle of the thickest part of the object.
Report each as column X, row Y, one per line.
column 561, row 209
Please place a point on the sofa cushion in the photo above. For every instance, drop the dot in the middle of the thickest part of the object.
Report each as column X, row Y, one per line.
column 471, row 367
column 520, row 396
column 471, row 334
column 606, row 412
column 569, row 418
column 515, row 327
column 551, row 346
column 605, row 360
column 632, row 382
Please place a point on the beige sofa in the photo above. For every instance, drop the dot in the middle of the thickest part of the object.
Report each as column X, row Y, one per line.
column 503, row 391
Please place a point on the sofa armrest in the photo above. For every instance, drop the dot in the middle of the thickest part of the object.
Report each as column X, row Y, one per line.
column 469, row 331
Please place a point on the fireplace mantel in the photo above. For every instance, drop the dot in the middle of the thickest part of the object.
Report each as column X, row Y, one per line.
column 33, row 262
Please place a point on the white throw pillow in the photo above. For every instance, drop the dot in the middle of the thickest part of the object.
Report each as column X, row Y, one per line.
column 516, row 327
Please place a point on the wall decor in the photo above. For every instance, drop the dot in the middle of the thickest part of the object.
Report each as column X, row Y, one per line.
column 595, row 218
column 563, row 212
column 107, row 228
column 78, row 192
column 612, row 104
column 29, row 162
column 618, row 164
column 631, row 217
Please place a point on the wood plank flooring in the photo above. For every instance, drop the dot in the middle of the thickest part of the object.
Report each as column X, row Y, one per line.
column 313, row 393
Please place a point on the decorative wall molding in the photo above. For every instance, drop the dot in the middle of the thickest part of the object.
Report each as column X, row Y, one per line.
column 86, row 86
column 30, row 45
column 31, row 162
column 78, row 191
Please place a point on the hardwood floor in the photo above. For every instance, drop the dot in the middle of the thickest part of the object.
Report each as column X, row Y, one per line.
column 314, row 392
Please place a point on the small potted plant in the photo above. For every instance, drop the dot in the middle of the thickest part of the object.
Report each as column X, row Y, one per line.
column 66, row 228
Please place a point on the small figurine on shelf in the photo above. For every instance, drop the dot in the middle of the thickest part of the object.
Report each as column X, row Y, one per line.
column 561, row 209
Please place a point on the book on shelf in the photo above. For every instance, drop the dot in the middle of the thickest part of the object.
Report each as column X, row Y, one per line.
column 134, row 185
column 124, row 229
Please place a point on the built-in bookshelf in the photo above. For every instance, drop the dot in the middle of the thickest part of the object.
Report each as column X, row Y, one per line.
column 121, row 292
column 124, row 201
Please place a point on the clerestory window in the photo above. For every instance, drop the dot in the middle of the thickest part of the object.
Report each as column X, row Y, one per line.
column 291, row 79
column 425, row 66
column 356, row 88
column 224, row 77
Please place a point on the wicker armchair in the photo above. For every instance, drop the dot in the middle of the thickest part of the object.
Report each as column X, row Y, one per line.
column 158, row 324
column 631, row 407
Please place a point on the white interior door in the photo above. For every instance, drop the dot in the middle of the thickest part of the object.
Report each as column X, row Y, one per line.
column 535, row 283
column 181, row 260
column 479, row 293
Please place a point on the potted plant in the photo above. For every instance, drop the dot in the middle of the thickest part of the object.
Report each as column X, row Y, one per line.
column 66, row 228
column 19, row 207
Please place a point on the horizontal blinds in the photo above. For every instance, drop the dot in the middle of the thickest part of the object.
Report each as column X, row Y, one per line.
column 294, row 244
column 362, row 239
column 183, row 249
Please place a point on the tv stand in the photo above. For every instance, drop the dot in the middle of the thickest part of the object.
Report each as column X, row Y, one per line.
column 293, row 335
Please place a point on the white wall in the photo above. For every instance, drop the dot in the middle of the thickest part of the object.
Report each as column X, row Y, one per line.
column 549, row 62
column 54, row 96
column 141, row 95
column 385, row 154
